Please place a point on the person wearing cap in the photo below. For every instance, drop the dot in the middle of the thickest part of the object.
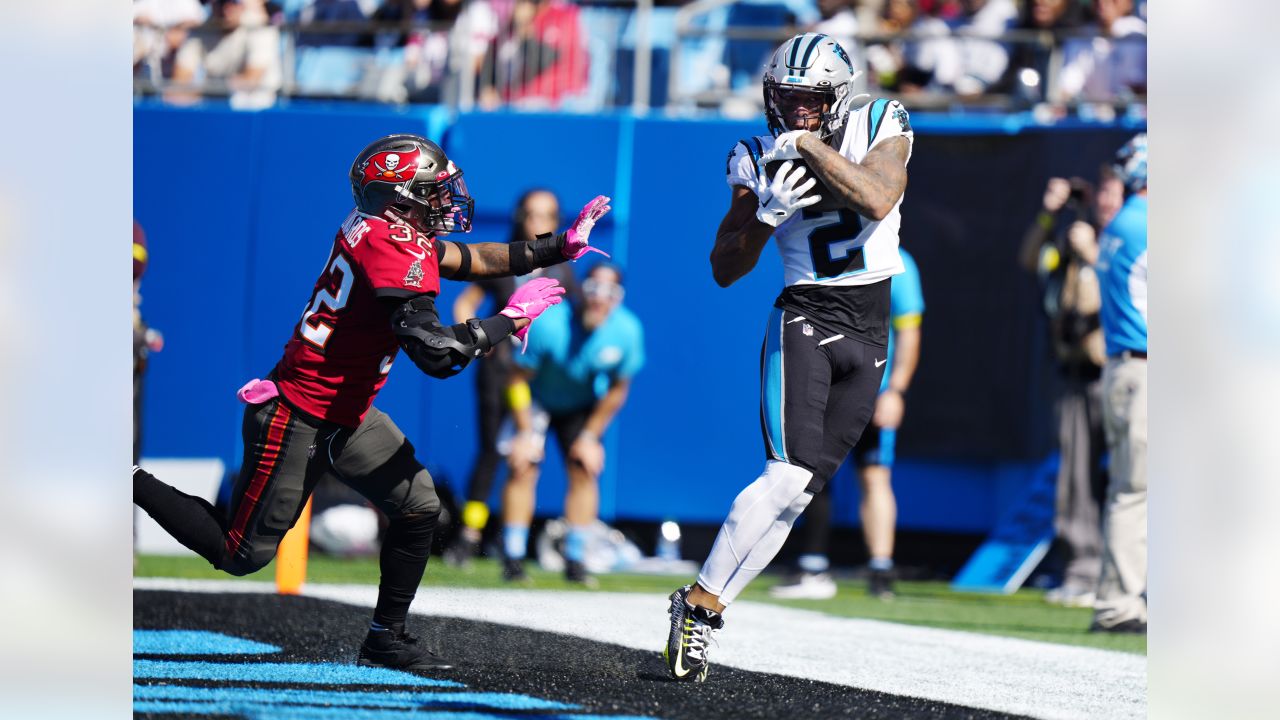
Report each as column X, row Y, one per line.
column 575, row 374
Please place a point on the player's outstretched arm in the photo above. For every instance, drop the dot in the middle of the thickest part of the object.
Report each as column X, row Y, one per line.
column 462, row 261
column 443, row 352
column 739, row 240
column 871, row 187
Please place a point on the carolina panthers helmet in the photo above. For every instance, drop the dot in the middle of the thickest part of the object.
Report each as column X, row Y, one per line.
column 1131, row 163
column 809, row 64
column 410, row 177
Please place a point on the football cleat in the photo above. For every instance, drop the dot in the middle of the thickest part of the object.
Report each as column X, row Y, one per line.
column 691, row 633
column 576, row 573
column 513, row 571
column 396, row 649
column 806, row 586
column 880, row 584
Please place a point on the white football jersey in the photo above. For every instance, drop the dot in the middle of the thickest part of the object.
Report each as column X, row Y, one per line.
column 837, row 247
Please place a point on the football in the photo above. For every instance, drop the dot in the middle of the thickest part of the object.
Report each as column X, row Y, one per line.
column 827, row 202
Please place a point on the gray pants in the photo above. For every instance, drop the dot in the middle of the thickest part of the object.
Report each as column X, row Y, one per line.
column 1122, row 588
column 1081, row 482
column 286, row 455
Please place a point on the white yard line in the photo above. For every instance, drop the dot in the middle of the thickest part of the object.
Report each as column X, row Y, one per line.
column 1044, row 680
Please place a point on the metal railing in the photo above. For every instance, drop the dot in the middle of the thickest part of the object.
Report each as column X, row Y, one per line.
column 490, row 58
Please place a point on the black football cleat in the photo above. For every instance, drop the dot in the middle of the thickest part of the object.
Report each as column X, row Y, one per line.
column 398, row 650
column 691, row 629
column 880, row 584
column 513, row 571
column 575, row 572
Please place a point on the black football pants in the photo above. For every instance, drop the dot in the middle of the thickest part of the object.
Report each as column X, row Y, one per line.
column 285, row 456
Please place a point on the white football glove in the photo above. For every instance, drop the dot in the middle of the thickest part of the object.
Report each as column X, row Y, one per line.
column 784, row 147
column 782, row 197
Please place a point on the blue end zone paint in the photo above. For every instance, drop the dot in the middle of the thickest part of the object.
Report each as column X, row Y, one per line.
column 195, row 642
column 260, row 711
column 1020, row 540
column 229, row 698
column 310, row 673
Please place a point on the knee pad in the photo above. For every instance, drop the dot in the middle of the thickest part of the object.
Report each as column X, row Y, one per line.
column 422, row 502
column 777, row 495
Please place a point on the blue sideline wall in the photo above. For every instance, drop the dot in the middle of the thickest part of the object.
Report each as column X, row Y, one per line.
column 238, row 240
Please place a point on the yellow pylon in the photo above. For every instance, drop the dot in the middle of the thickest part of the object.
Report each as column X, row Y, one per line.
column 291, row 557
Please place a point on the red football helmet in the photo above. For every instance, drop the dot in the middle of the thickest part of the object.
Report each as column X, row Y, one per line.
column 410, row 177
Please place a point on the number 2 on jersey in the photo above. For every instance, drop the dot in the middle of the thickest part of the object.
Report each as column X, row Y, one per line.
column 832, row 244
column 318, row 334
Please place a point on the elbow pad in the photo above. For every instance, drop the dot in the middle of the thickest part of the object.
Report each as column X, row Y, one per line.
column 440, row 351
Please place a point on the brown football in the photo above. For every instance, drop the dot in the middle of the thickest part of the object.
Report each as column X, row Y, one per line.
column 827, row 202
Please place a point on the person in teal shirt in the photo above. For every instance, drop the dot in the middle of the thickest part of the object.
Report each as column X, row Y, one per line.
column 575, row 373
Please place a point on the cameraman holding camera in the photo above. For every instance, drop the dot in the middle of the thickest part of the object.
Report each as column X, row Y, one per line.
column 1060, row 248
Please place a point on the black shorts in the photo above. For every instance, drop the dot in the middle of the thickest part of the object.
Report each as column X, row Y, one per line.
column 567, row 426
column 286, row 454
column 817, row 393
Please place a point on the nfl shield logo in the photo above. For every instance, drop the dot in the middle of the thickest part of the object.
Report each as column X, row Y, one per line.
column 807, row 329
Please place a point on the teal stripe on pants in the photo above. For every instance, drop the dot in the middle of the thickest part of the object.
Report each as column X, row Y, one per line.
column 771, row 389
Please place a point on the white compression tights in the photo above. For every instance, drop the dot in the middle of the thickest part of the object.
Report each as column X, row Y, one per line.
column 757, row 526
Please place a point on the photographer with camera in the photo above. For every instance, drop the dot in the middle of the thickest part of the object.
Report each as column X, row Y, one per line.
column 1060, row 248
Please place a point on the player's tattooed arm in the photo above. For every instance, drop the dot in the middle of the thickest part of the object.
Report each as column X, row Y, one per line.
column 739, row 240
column 469, row 261
column 871, row 187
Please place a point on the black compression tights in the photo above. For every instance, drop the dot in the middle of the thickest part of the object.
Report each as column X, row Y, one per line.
column 405, row 550
column 192, row 521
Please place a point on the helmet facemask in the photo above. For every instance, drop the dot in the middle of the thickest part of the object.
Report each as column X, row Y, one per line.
column 782, row 103
column 437, row 206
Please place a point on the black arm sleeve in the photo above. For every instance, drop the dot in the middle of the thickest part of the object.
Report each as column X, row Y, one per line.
column 440, row 351
column 544, row 251
column 464, row 265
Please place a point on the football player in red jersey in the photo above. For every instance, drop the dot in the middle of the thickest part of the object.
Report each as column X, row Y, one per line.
column 313, row 415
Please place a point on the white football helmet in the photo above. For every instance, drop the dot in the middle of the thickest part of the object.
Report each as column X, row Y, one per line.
column 810, row 63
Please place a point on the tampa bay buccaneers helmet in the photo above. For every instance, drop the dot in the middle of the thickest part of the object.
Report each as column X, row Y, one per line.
column 410, row 177
column 808, row 67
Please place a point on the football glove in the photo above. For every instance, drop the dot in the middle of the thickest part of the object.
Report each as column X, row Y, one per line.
column 782, row 196
column 531, row 300
column 575, row 238
column 784, row 147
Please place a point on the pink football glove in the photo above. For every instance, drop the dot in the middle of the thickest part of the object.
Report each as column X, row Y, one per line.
column 575, row 238
column 531, row 300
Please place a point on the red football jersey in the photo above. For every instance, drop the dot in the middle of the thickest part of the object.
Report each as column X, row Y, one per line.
column 342, row 348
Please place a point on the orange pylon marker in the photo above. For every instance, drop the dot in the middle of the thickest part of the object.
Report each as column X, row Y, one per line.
column 291, row 557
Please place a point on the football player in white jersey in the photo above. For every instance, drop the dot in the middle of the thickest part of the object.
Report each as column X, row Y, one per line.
column 827, row 184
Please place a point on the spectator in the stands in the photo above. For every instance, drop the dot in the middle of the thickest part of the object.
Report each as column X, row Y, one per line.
column 909, row 66
column 981, row 61
column 160, row 27
column 542, row 60
column 333, row 12
column 1031, row 61
column 1110, row 63
column 243, row 56
column 435, row 35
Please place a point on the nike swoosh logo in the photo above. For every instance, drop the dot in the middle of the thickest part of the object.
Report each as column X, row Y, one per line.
column 679, row 669
column 881, row 362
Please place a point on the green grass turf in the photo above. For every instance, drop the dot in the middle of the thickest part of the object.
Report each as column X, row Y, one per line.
column 932, row 604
